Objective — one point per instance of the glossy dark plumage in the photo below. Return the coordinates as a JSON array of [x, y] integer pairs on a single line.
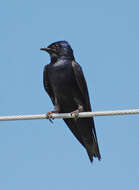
[[65, 84]]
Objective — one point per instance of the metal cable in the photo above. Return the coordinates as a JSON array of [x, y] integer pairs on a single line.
[[68, 115]]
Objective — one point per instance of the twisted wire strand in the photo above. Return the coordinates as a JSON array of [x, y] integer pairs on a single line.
[[68, 115]]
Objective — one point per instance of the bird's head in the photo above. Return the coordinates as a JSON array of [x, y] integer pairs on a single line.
[[58, 50]]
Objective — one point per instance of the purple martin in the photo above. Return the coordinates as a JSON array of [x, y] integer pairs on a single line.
[[65, 83]]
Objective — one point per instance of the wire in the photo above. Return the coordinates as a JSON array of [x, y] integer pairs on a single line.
[[68, 115]]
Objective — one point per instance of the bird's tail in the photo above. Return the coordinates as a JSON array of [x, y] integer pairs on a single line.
[[93, 151], [86, 136]]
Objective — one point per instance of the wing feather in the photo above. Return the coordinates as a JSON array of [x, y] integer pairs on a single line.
[[47, 85], [81, 82]]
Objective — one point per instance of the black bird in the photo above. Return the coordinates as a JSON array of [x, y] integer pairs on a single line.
[[64, 82]]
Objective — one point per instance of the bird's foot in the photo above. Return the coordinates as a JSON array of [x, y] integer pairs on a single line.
[[49, 116], [75, 113]]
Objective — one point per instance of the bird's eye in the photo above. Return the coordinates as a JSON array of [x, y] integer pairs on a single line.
[[56, 45]]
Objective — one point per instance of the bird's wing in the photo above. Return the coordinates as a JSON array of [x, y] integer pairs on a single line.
[[81, 82], [86, 125], [72, 124], [47, 85]]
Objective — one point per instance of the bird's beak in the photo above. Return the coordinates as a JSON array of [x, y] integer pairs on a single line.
[[45, 49], [49, 50]]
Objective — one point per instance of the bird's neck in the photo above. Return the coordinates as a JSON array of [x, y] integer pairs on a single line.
[[67, 57], [55, 59]]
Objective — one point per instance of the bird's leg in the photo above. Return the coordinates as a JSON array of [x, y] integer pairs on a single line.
[[49, 114], [76, 112]]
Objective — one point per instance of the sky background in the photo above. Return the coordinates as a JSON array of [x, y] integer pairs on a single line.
[[105, 38]]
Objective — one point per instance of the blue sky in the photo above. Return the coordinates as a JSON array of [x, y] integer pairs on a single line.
[[105, 39]]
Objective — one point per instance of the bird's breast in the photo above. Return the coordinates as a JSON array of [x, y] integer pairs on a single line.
[[62, 78], [64, 86], [61, 74]]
